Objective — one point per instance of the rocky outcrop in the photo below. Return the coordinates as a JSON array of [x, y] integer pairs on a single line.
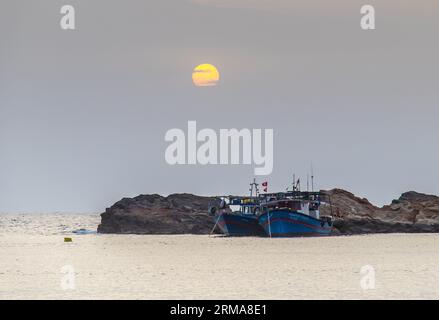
[[412, 212], [186, 213], [154, 214]]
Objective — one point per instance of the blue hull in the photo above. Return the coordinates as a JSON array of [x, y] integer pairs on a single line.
[[284, 223], [240, 225]]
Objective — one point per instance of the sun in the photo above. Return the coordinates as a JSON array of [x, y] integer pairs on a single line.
[[205, 75]]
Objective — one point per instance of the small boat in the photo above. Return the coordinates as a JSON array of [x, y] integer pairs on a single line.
[[235, 224], [294, 214], [237, 216], [84, 231]]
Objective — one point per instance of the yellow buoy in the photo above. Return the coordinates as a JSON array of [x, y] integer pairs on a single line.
[[68, 240]]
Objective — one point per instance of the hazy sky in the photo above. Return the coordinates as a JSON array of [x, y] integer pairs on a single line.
[[83, 113]]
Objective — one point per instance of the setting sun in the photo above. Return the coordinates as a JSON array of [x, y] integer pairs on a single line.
[[205, 75]]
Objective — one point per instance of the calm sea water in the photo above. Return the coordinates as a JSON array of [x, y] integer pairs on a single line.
[[36, 263]]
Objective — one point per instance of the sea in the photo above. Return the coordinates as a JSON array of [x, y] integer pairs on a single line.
[[37, 263]]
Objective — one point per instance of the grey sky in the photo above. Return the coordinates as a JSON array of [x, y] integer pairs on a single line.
[[83, 113]]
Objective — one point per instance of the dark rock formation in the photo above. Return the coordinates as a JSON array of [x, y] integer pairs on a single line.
[[154, 214], [186, 213], [412, 212]]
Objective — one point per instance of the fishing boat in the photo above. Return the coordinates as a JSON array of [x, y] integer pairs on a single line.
[[294, 214], [237, 216]]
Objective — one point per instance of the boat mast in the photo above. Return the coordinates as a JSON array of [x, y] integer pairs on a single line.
[[296, 183]]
